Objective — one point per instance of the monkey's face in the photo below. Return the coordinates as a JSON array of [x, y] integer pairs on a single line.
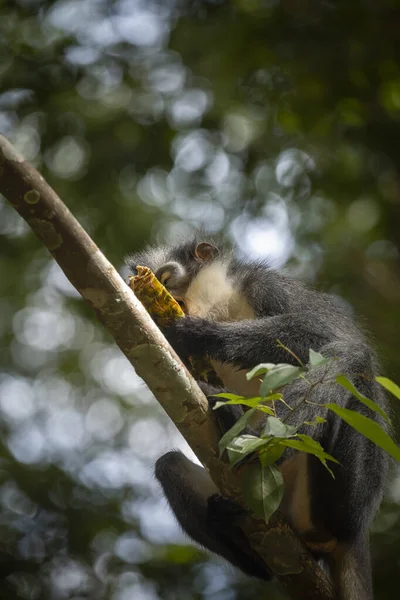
[[177, 268]]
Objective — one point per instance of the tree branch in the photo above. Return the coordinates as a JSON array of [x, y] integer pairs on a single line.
[[143, 344]]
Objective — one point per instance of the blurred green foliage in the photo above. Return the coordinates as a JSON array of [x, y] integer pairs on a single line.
[[274, 121]]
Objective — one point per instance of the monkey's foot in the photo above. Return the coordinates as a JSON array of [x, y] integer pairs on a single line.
[[319, 541]]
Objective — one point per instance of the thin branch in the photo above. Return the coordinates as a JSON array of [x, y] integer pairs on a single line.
[[154, 360]]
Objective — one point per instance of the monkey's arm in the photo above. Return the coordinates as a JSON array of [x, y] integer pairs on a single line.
[[247, 343], [210, 519]]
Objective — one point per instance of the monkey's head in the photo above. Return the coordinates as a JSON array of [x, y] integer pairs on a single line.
[[192, 272]]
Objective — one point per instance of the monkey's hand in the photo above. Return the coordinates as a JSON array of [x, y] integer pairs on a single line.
[[190, 337], [211, 392]]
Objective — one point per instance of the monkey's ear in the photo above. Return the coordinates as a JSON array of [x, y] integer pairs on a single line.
[[206, 252]]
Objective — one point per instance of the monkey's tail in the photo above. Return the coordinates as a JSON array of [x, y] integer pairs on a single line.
[[350, 568]]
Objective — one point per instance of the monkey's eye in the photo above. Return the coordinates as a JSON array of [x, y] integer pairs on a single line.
[[165, 276], [170, 274]]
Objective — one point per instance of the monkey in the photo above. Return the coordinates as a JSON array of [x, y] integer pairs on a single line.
[[236, 311]]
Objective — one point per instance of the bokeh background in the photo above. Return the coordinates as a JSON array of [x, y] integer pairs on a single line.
[[274, 121]]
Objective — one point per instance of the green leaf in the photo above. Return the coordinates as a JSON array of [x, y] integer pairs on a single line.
[[262, 489], [266, 409], [369, 428], [346, 383], [316, 421], [310, 446], [243, 445], [271, 454], [277, 377], [235, 430], [233, 398], [259, 370], [255, 402], [316, 359], [301, 446], [271, 397], [308, 440], [320, 419], [389, 385], [276, 428]]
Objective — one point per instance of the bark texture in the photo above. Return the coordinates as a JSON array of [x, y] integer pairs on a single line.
[[143, 344]]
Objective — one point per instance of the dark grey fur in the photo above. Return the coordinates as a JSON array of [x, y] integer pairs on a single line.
[[301, 319]]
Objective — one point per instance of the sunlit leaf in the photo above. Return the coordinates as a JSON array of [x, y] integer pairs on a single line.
[[312, 443], [320, 419], [233, 398], [255, 402], [250, 403], [271, 397], [346, 383], [392, 387], [266, 410], [260, 370], [369, 428], [306, 444], [316, 421]]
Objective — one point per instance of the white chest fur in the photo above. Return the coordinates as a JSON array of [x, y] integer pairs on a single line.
[[212, 295], [235, 380]]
